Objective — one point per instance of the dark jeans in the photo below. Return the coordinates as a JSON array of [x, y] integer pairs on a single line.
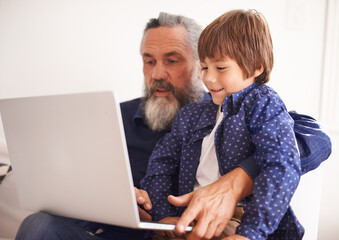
[[39, 226]]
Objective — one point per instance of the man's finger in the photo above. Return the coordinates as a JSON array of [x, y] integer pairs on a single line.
[[140, 199], [147, 204], [180, 201], [170, 234], [144, 215], [160, 233], [199, 229], [236, 237], [189, 215], [220, 229], [186, 218], [211, 230], [143, 198]]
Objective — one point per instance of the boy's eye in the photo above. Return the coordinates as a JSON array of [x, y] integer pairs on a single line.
[[221, 68], [204, 68]]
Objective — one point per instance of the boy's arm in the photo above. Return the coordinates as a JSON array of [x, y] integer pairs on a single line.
[[277, 155], [313, 143], [162, 173]]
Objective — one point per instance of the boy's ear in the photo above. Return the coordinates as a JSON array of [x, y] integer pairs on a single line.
[[258, 71]]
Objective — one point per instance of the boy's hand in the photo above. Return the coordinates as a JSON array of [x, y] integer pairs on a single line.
[[169, 234], [143, 198]]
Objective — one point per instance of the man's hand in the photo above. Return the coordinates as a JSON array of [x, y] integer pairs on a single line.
[[213, 205], [169, 234], [236, 237], [143, 198]]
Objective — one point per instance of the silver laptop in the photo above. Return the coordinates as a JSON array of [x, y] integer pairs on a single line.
[[69, 157]]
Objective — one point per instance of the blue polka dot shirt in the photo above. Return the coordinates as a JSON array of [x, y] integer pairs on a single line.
[[255, 122]]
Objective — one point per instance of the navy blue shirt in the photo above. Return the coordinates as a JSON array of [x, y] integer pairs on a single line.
[[140, 139]]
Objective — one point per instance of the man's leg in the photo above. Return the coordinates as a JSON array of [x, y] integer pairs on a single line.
[[39, 226], [229, 230]]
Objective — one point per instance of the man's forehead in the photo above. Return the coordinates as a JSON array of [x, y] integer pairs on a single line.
[[165, 41]]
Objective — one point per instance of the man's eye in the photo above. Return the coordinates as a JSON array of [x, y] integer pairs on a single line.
[[149, 62], [172, 61]]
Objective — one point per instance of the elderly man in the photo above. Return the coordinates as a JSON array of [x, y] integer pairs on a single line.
[[172, 80]]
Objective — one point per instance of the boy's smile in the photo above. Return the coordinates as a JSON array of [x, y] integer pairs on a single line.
[[223, 77]]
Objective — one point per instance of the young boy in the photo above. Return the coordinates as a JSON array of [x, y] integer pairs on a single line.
[[245, 118]]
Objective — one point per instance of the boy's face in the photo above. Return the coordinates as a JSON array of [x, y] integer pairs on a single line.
[[223, 77]]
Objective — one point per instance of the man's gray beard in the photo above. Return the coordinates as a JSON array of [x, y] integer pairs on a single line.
[[160, 112]]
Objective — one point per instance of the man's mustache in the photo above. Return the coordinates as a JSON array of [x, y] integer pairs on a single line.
[[161, 84]]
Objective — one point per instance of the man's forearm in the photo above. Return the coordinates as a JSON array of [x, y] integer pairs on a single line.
[[239, 181], [213, 205]]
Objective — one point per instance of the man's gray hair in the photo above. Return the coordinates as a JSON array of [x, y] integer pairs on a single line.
[[193, 29]]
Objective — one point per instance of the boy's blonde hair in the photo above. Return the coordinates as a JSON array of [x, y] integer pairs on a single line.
[[243, 36]]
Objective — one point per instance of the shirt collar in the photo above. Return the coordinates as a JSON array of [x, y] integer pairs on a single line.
[[232, 103], [208, 116], [138, 114]]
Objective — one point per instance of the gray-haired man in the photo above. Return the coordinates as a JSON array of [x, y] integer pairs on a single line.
[[172, 79]]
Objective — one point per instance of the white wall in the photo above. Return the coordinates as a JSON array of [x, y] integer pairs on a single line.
[[49, 47], [329, 224], [78, 45]]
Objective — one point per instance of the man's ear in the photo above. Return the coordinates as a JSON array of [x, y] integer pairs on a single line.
[[258, 71]]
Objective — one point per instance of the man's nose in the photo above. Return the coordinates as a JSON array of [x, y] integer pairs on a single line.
[[159, 72]]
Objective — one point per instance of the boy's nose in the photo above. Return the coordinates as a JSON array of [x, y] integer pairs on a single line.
[[209, 77]]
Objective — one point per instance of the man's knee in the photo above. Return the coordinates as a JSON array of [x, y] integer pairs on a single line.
[[37, 226]]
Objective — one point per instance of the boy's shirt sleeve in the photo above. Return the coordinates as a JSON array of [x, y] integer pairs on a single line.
[[314, 145], [250, 167], [162, 173], [313, 142], [276, 153]]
